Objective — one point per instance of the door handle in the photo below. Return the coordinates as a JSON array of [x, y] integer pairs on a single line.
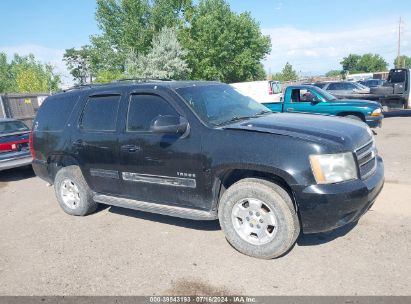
[[130, 148], [290, 109]]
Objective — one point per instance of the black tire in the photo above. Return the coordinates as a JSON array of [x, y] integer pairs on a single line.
[[86, 204], [354, 117], [278, 201]]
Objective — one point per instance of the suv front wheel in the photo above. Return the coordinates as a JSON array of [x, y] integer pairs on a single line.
[[258, 218], [73, 193]]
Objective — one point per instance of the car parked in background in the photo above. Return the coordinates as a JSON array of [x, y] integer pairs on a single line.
[[14, 144], [372, 83], [343, 87]]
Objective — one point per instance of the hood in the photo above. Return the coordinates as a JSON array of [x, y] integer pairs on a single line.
[[347, 133], [357, 102]]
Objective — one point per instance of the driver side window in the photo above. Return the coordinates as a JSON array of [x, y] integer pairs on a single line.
[[144, 109], [303, 95]]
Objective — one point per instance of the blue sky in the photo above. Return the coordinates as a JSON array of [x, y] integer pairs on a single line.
[[313, 35]]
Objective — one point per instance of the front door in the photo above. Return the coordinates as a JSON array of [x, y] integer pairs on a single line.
[[155, 167], [305, 101]]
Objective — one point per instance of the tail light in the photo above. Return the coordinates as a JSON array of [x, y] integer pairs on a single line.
[[270, 90], [31, 145]]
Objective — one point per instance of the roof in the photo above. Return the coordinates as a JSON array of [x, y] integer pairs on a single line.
[[172, 84]]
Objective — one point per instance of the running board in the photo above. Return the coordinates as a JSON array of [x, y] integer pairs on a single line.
[[186, 213]]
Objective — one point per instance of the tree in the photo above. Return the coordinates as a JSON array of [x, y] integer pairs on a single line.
[[79, 64], [6, 81], [366, 63], [404, 62], [164, 60], [26, 75], [333, 73], [223, 45], [220, 43], [104, 76], [287, 74], [128, 27], [350, 63]]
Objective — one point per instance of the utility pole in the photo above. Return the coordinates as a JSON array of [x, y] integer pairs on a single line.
[[398, 65]]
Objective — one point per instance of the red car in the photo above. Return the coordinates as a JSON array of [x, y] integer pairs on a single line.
[[14, 144]]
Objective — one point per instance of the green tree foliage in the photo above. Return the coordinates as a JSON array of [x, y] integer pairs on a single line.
[[287, 74], [79, 64], [104, 76], [404, 62], [130, 25], [366, 63], [333, 73], [164, 60], [6, 80], [26, 75], [220, 43], [223, 45]]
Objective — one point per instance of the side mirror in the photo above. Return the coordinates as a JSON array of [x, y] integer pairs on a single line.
[[169, 124]]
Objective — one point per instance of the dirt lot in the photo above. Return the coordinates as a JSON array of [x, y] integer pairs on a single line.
[[115, 251]]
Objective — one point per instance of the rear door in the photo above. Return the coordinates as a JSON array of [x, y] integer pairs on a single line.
[[96, 142]]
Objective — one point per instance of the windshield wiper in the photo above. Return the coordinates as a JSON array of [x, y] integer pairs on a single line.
[[238, 118], [234, 119], [262, 113]]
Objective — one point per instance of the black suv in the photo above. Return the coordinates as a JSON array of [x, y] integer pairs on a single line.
[[201, 150]]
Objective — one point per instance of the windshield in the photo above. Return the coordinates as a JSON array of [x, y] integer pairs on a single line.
[[12, 126], [221, 104]]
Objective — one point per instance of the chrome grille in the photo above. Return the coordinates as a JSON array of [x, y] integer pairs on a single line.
[[367, 159]]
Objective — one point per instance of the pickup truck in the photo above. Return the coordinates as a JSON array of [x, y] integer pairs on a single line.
[[201, 150], [311, 99]]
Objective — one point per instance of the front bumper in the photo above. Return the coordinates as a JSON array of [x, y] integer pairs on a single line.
[[15, 159], [374, 121], [327, 207]]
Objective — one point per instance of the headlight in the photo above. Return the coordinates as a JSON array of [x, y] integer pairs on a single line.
[[376, 112], [333, 168]]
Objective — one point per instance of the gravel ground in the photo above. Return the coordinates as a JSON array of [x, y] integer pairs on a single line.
[[116, 251]]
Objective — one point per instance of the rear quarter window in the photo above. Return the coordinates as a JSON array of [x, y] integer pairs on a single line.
[[55, 112]]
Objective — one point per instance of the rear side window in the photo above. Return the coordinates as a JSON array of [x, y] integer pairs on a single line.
[[144, 109], [100, 113], [54, 113], [334, 86]]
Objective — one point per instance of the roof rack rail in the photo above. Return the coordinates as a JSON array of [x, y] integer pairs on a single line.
[[84, 86], [142, 79]]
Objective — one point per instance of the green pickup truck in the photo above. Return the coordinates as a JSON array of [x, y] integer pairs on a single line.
[[310, 99]]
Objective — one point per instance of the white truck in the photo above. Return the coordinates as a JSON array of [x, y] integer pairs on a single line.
[[264, 91]]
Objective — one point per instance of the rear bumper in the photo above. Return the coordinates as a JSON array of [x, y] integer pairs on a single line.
[[374, 121], [327, 207], [15, 160]]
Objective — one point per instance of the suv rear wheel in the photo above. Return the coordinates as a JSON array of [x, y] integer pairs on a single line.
[[258, 218], [72, 192]]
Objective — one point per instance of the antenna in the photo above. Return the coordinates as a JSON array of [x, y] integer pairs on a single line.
[[399, 65]]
